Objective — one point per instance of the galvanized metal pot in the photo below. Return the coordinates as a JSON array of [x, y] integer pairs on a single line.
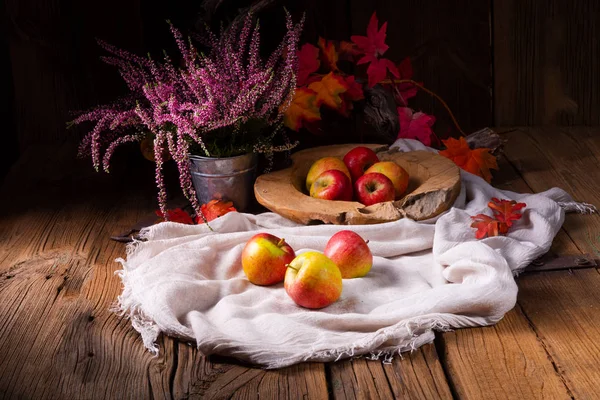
[[228, 178]]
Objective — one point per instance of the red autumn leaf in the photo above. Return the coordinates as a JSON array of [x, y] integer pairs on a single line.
[[415, 125], [329, 54], [477, 161], [308, 62], [329, 90], [302, 110], [487, 226], [175, 215], [354, 93], [214, 209], [373, 45], [378, 69], [506, 211], [355, 90]]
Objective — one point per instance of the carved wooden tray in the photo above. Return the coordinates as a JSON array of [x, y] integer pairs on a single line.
[[434, 185]]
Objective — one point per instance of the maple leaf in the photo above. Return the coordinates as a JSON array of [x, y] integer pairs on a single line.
[[329, 54], [214, 209], [175, 215], [378, 69], [506, 211], [487, 226], [329, 90], [354, 93], [303, 109], [373, 45], [477, 161], [415, 125], [308, 62], [355, 90]]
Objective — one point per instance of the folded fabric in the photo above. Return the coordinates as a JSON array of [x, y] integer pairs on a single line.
[[187, 281]]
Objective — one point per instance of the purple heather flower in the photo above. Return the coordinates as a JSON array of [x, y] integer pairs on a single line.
[[213, 93]]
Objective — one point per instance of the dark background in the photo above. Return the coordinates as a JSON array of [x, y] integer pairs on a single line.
[[495, 62]]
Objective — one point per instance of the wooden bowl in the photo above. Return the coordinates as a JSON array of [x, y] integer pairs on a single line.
[[433, 186]]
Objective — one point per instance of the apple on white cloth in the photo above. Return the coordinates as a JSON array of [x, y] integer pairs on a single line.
[[187, 281]]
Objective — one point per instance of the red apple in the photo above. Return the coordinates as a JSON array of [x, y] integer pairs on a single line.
[[358, 160], [332, 185], [374, 188], [395, 173], [350, 253], [264, 259], [322, 165], [312, 280]]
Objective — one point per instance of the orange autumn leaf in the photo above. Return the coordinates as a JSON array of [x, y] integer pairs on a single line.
[[302, 110], [477, 161], [487, 226], [214, 209], [329, 89], [506, 211], [329, 54]]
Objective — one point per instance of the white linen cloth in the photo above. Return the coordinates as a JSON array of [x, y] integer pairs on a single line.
[[188, 282]]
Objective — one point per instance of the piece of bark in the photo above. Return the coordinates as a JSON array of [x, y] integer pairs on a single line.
[[379, 118], [486, 138]]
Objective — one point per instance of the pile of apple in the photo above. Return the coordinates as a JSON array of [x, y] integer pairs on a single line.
[[359, 176], [311, 279]]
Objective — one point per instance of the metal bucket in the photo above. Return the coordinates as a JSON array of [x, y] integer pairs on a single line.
[[229, 179]]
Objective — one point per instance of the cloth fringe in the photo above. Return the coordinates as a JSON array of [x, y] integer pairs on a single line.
[[576, 207]]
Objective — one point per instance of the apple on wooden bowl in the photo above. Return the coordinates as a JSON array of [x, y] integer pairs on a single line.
[[433, 185]]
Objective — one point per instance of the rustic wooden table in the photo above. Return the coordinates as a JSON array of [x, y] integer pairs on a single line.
[[58, 338]]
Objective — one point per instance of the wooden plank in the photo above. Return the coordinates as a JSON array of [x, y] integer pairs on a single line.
[[416, 375], [566, 158], [546, 59], [560, 306], [219, 378], [57, 336], [450, 50], [504, 361], [563, 309]]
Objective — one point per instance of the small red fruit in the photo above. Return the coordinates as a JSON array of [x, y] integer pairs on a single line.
[[358, 160], [265, 257], [332, 185], [374, 188], [349, 251]]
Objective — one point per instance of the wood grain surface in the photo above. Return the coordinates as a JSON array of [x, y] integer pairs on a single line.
[[59, 339], [546, 60], [417, 375]]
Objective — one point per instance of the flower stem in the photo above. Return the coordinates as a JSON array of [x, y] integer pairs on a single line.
[[431, 93]]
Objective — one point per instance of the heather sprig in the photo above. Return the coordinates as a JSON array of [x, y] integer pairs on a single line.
[[210, 102]]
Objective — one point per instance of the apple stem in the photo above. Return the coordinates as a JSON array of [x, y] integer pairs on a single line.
[[367, 241], [281, 242], [289, 266]]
